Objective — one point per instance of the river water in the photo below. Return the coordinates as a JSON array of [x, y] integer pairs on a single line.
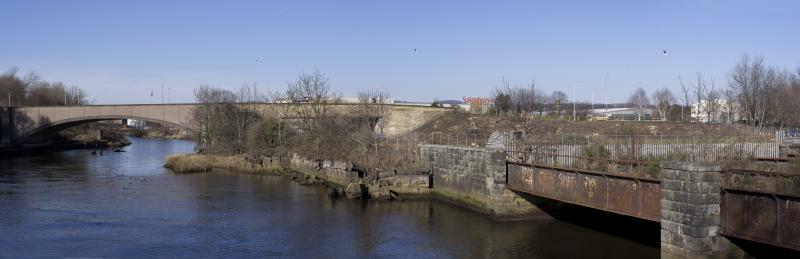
[[126, 205]]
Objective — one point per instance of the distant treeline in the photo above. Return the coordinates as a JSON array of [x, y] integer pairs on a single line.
[[32, 90], [756, 93]]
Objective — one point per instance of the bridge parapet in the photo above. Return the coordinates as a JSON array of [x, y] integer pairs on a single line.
[[41, 121]]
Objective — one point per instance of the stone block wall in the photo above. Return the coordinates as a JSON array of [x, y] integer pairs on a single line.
[[337, 172], [475, 177], [690, 211]]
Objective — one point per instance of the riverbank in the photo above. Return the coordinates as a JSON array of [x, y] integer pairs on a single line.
[[34, 149], [344, 179], [482, 190]]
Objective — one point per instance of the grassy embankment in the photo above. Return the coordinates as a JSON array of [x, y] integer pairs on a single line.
[[195, 163]]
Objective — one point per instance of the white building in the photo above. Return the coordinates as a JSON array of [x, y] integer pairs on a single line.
[[139, 124], [352, 99], [629, 113], [718, 111]]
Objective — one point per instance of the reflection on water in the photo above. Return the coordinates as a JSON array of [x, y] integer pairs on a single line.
[[74, 204]]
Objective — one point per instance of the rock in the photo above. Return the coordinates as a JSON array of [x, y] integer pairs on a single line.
[[362, 171], [394, 195], [354, 191], [380, 193], [341, 165], [386, 174]]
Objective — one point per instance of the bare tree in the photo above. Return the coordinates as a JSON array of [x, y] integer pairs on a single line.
[[558, 99], [664, 102], [752, 81], [12, 88], [32, 90], [519, 99], [686, 94], [639, 101], [227, 119], [784, 104], [374, 106], [310, 98], [712, 103], [730, 109]]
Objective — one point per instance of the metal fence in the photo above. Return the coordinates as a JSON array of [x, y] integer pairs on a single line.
[[575, 151], [692, 152], [506, 140]]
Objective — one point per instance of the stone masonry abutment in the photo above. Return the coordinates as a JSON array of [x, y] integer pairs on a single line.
[[475, 177]]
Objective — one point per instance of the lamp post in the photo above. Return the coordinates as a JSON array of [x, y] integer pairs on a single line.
[[573, 102], [605, 88]]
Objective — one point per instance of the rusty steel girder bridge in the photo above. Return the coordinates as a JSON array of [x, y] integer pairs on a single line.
[[754, 205]]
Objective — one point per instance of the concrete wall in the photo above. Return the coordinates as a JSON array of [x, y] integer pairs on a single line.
[[475, 177], [690, 212]]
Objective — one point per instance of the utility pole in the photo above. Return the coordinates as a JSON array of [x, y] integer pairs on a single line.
[[574, 99], [163, 111], [605, 89]]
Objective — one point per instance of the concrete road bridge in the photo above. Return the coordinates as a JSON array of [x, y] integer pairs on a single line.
[[35, 124]]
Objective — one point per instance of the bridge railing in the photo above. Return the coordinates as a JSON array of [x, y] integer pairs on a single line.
[[551, 158]]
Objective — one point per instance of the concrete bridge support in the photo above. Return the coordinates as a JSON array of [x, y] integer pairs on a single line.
[[690, 212], [7, 126]]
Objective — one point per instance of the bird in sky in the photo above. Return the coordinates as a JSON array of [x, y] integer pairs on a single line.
[[664, 52], [415, 50]]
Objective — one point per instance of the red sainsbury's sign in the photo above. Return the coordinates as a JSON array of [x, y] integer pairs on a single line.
[[477, 100]]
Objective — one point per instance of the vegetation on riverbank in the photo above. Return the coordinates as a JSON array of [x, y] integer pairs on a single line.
[[194, 163], [306, 124]]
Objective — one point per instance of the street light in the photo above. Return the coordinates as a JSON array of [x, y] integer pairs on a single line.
[[574, 100], [605, 89]]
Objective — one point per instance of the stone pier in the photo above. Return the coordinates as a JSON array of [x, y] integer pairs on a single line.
[[690, 212]]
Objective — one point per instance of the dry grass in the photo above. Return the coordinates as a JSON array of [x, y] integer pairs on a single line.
[[485, 124], [193, 163]]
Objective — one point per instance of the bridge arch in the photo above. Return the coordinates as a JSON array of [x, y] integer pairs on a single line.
[[36, 124], [45, 130]]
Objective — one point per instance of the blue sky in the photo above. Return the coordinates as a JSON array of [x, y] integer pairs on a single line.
[[120, 51]]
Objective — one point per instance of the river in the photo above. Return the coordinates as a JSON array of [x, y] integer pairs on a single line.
[[126, 205]]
